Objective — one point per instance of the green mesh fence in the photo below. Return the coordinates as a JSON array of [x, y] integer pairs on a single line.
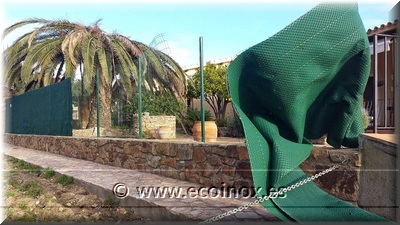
[[305, 81], [45, 111]]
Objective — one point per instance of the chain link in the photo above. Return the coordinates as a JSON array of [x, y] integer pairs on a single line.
[[275, 194]]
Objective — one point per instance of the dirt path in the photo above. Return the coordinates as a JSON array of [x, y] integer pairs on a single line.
[[37, 195]]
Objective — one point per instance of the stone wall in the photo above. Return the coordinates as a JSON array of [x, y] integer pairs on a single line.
[[197, 162], [104, 132], [210, 164], [343, 182]]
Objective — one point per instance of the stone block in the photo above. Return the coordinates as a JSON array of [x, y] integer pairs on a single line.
[[103, 153], [217, 181], [244, 169], [199, 154], [117, 162], [318, 153], [342, 183], [207, 182], [126, 165], [337, 156], [153, 161], [206, 170], [218, 150], [184, 152], [146, 146], [228, 170], [243, 153], [227, 180], [171, 162], [229, 161], [232, 151], [171, 172], [215, 160], [162, 148], [182, 176]]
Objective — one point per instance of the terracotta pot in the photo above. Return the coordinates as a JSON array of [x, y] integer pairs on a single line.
[[211, 131]]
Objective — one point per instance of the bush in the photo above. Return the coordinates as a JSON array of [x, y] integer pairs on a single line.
[[32, 189], [223, 122], [157, 104], [64, 180], [48, 173], [193, 115], [111, 202]]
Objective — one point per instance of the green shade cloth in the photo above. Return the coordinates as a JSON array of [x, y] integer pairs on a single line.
[[45, 111], [305, 81]]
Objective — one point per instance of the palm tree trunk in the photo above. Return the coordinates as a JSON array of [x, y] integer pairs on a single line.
[[105, 106]]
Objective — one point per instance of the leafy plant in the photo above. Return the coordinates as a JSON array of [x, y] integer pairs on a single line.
[[194, 115], [23, 205], [223, 122], [27, 167], [48, 173], [12, 183], [11, 159], [10, 193], [64, 180], [159, 103], [215, 88], [111, 202], [32, 189]]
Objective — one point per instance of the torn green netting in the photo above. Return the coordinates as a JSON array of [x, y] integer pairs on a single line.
[[305, 81]]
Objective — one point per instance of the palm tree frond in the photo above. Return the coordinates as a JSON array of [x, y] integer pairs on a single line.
[[21, 24]]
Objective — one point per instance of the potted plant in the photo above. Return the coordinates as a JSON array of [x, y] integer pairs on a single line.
[[194, 119]]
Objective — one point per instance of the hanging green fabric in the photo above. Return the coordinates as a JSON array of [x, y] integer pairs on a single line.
[[305, 81]]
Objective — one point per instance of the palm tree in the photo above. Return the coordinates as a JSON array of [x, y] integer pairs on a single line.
[[59, 49]]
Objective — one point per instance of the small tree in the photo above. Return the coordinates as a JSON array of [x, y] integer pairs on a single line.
[[215, 88], [59, 49]]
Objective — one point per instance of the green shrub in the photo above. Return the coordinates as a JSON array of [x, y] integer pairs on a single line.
[[32, 189], [23, 205], [64, 180], [111, 202], [193, 115], [223, 122], [27, 167], [48, 173], [12, 159], [159, 103]]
